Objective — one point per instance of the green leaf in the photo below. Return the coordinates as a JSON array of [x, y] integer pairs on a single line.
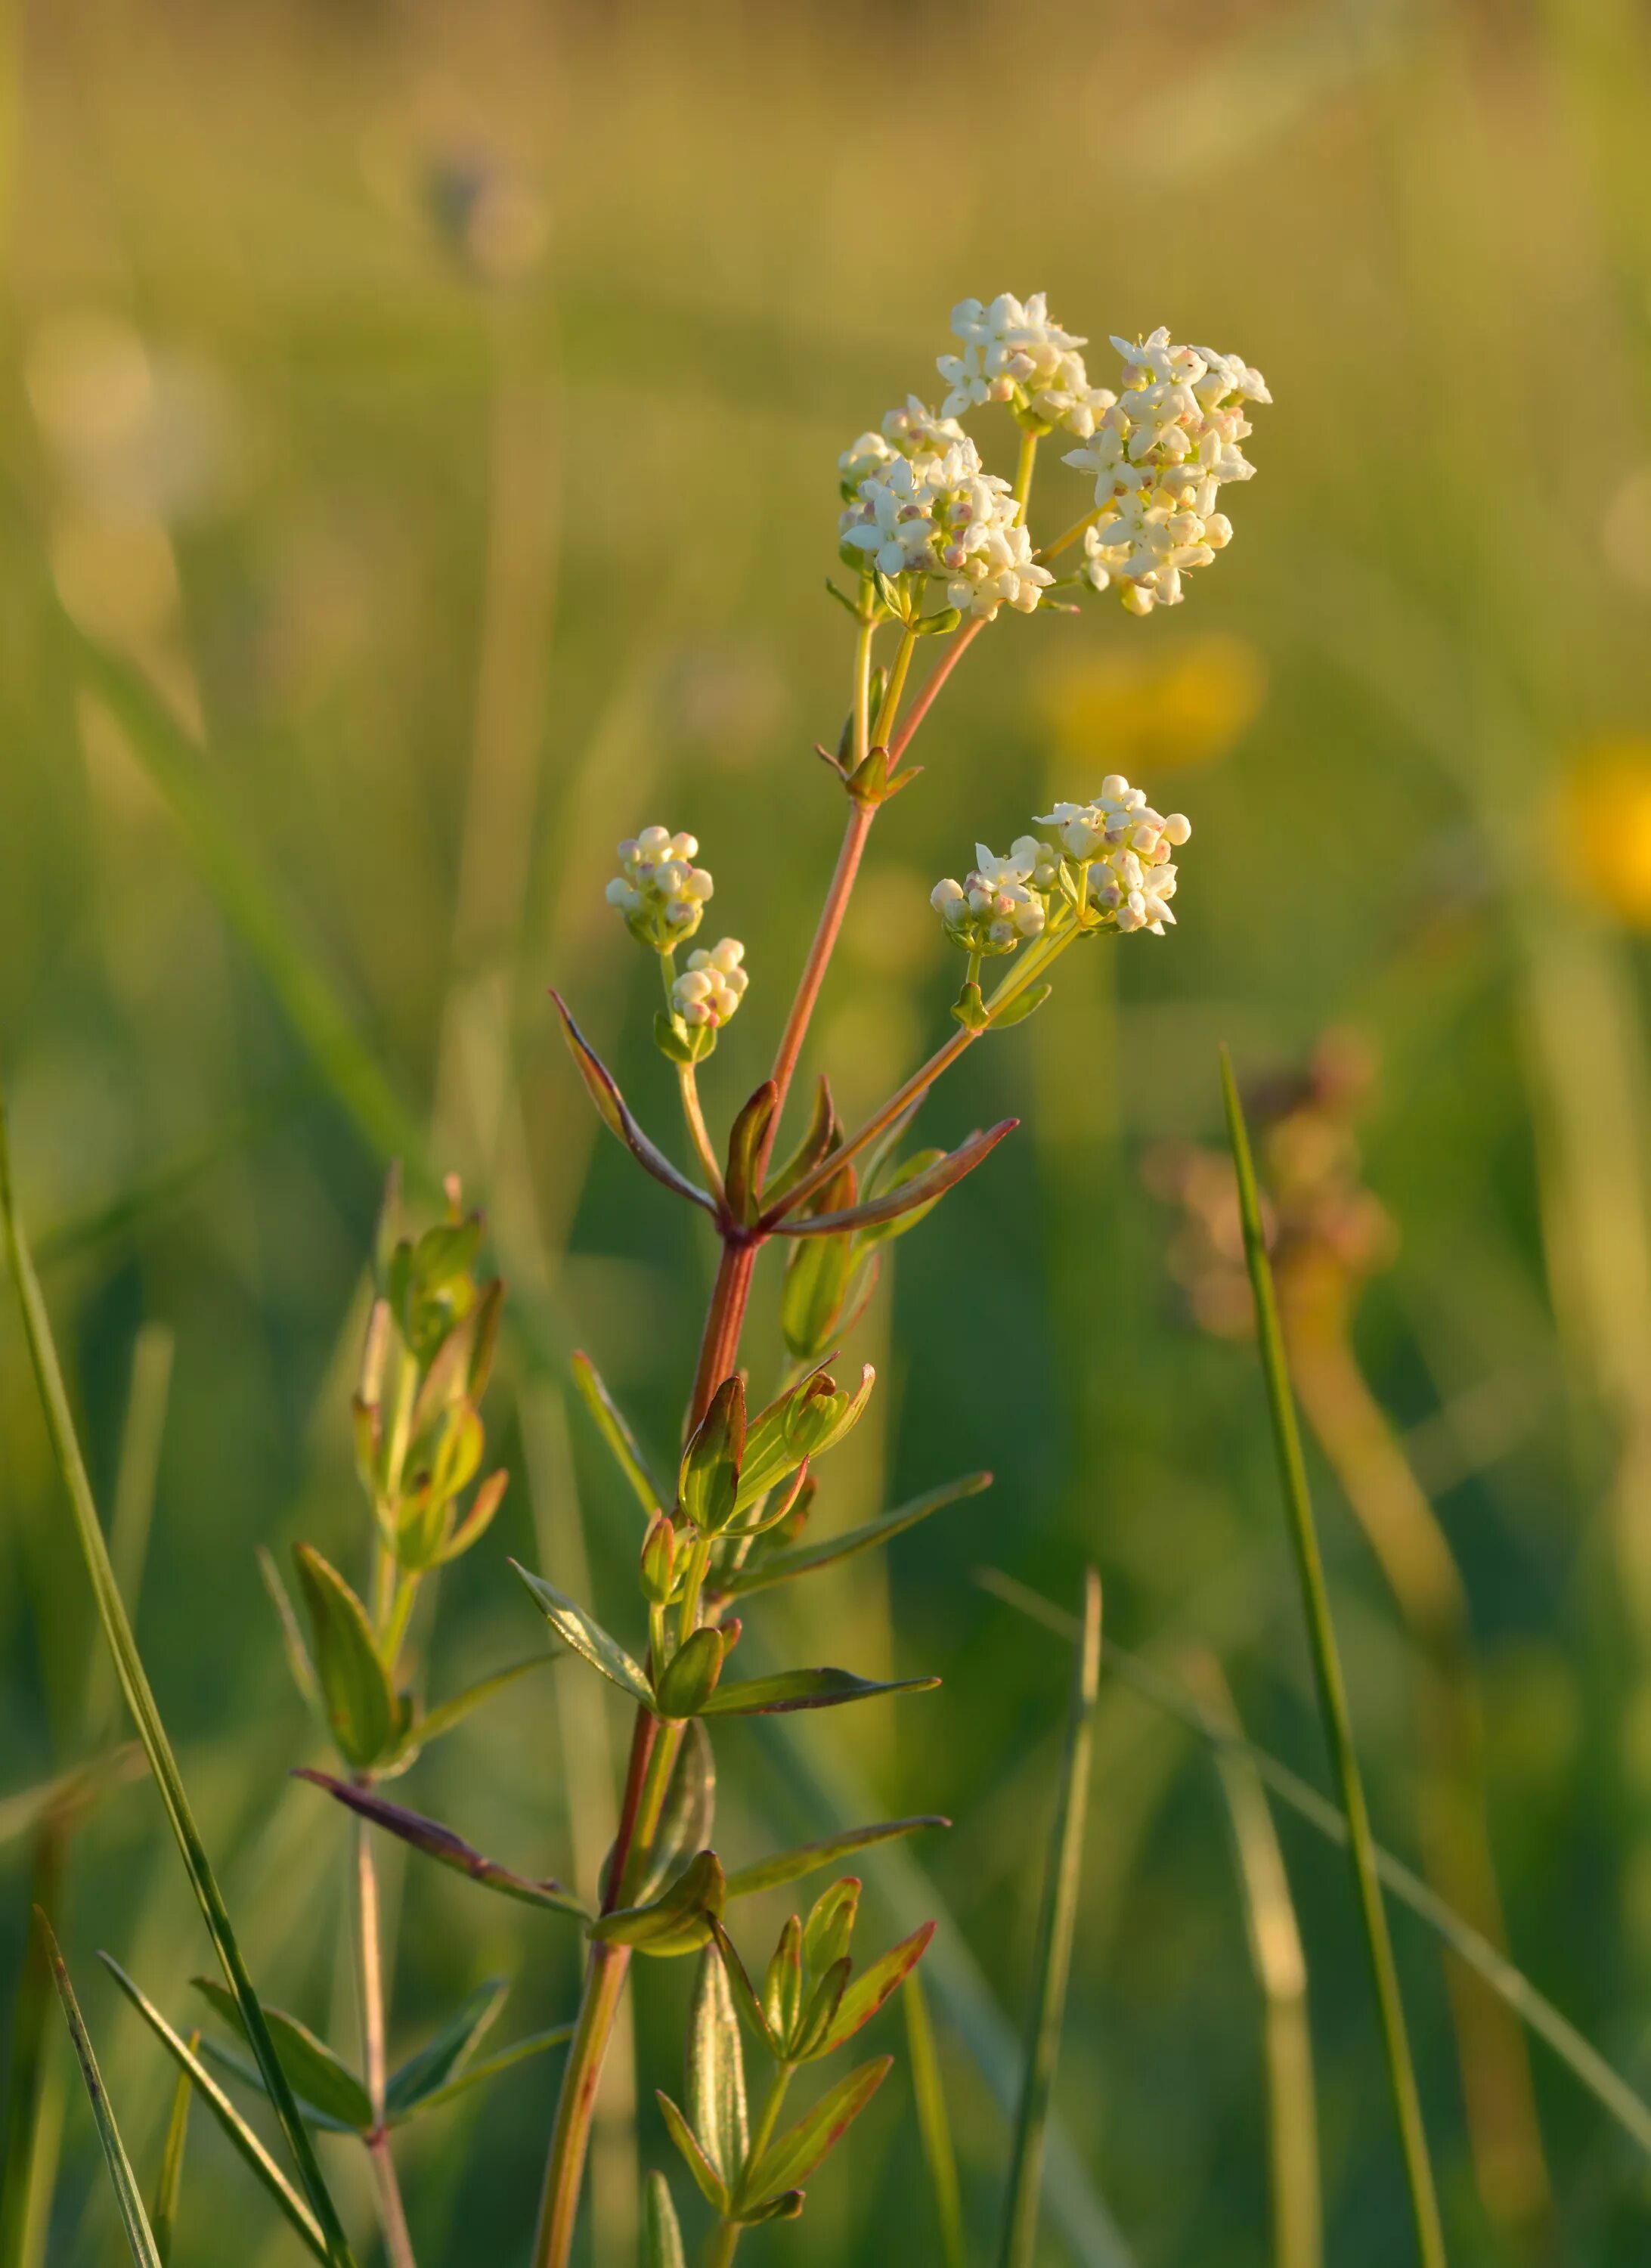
[[661, 2234], [163, 2215], [670, 1036], [239, 2133], [586, 1637], [818, 1270], [133, 2220], [615, 1116], [820, 1138], [908, 1170], [881, 1981], [935, 2125], [814, 2031], [615, 1431], [477, 2075], [445, 2054], [317, 2076], [708, 1483], [940, 625], [297, 1653], [362, 1709], [1026, 1003], [716, 2071], [784, 1566], [677, 1921], [690, 1678], [442, 1845], [803, 1688], [746, 1137], [447, 1714], [922, 1190], [782, 1985], [808, 1858], [745, 1993], [711, 2186], [829, 1931], [788, 2161], [786, 2206], [1055, 1941], [141, 1702], [690, 1809]]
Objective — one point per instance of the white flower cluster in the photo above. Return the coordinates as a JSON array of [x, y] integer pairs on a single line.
[[1014, 353], [938, 513], [1161, 452], [1125, 844], [912, 431], [712, 986], [658, 889], [1001, 900]]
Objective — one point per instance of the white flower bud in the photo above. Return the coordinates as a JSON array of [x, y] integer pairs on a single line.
[[711, 987], [658, 890]]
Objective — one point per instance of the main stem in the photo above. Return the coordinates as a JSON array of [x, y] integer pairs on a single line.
[[398, 2244], [725, 2236]]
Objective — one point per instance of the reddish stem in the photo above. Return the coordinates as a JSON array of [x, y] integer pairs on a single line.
[[825, 938], [925, 700]]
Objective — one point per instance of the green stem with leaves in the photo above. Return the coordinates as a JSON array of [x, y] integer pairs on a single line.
[[725, 2236]]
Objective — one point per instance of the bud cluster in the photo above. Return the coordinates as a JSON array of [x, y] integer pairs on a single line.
[[1161, 452], [712, 986], [658, 889], [939, 516], [1001, 900], [1116, 873]]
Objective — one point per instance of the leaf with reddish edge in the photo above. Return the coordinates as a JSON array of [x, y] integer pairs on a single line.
[[821, 1131], [808, 1858], [790, 2160], [867, 1993], [922, 1190], [746, 1137], [614, 1113], [693, 2157], [442, 1845]]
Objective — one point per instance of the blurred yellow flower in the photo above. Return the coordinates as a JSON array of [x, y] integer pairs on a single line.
[[1149, 713], [1606, 824]]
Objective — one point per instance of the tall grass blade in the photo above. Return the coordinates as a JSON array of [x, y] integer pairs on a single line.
[[1281, 1966], [140, 1701], [1332, 1692], [134, 1507], [1054, 1948], [934, 2124], [133, 2220], [169, 2186]]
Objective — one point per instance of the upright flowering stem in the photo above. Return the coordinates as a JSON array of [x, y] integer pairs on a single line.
[[825, 938], [398, 2244]]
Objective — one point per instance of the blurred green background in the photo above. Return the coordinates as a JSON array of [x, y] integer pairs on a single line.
[[418, 440]]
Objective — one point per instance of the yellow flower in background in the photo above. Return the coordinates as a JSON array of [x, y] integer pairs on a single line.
[[1148, 713], [1606, 815]]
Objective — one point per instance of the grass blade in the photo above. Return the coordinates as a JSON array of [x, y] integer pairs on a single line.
[[1054, 1953], [169, 2186], [1332, 1692], [28, 2168], [140, 1701], [134, 1506], [934, 2124], [1280, 1966], [140, 2237]]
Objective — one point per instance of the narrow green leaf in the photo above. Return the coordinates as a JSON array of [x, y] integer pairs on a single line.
[[477, 2075], [746, 1137], [923, 1190], [1332, 1692], [445, 2053], [239, 2133], [899, 1177], [828, 1934], [677, 1921], [442, 1845], [238, 2065], [880, 1981], [141, 1702], [318, 2075], [804, 1559], [699, 2164], [708, 1482], [133, 2220], [782, 1984], [788, 2161], [662, 2234], [297, 1653], [586, 1637], [169, 2183], [28, 2168], [812, 2032], [820, 1136], [614, 1113], [1024, 1004], [362, 1709], [716, 2071], [1054, 1946], [935, 2125], [447, 1714], [808, 1858], [745, 1993], [818, 1269], [690, 1677], [691, 1811], [615, 1431], [803, 1688]]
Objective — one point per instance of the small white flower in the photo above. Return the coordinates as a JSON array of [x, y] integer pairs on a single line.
[[915, 431], [1012, 352], [658, 889], [942, 516], [712, 986], [1126, 846], [1000, 902]]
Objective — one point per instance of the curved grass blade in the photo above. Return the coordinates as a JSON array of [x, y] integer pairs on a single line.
[[933, 2125], [784, 1566], [239, 2133], [319, 2077], [135, 2227], [446, 2054], [141, 1702], [477, 2075], [169, 2183], [32, 2101], [923, 1190], [615, 1429], [791, 1865], [614, 1113], [1333, 1693], [442, 1845], [586, 1637], [1055, 1940], [802, 1689]]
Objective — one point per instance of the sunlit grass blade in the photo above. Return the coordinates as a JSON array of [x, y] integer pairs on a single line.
[[1054, 1946], [1281, 1965], [135, 2227], [934, 2124], [140, 1701], [169, 2183], [239, 2133], [1580, 2057], [1332, 1692], [134, 1506]]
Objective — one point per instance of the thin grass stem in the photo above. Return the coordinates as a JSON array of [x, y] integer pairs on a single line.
[[933, 2122]]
